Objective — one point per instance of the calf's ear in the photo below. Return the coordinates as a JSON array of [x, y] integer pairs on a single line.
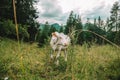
[[60, 37], [53, 34]]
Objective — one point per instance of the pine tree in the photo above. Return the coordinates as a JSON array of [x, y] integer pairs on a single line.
[[70, 23], [87, 24], [52, 29], [95, 22], [44, 34], [6, 9], [114, 17], [78, 27], [99, 21], [25, 11], [61, 29]]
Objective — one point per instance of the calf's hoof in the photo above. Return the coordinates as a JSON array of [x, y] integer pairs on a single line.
[[57, 62], [66, 59], [51, 56]]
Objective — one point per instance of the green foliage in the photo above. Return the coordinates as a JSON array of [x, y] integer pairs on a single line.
[[99, 21], [37, 36], [52, 29], [74, 23], [61, 29], [33, 63], [32, 32], [85, 37], [114, 70], [110, 71], [23, 34], [3, 69], [26, 15], [7, 29], [26, 12], [79, 26], [44, 35], [97, 30], [111, 36], [70, 23], [89, 37], [117, 38], [6, 9], [114, 17]]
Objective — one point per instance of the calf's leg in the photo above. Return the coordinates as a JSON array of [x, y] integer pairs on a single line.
[[58, 54], [51, 54], [65, 54]]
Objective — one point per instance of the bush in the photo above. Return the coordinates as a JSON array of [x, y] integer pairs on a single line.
[[117, 38], [24, 35], [114, 70], [7, 29], [111, 71], [111, 36]]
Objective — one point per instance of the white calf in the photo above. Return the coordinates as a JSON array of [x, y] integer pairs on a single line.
[[59, 41]]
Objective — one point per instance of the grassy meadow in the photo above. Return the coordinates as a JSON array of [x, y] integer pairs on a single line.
[[29, 62]]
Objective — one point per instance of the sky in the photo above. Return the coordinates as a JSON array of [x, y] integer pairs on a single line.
[[57, 11]]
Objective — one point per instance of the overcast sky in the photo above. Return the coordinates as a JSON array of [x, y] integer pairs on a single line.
[[57, 11]]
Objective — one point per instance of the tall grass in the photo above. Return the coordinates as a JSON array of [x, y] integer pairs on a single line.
[[33, 63]]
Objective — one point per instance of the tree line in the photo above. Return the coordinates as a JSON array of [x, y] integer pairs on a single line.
[[109, 29], [26, 15], [29, 28]]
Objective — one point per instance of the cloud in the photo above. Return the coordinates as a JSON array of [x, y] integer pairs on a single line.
[[57, 11], [96, 11], [101, 9], [50, 11], [50, 8]]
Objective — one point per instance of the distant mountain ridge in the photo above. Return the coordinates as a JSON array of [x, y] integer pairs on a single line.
[[56, 25]]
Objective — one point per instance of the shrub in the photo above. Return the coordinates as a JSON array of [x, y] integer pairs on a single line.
[[114, 70], [24, 35], [111, 36], [7, 29], [117, 38], [111, 71]]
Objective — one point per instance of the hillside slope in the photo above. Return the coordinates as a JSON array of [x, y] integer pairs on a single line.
[[29, 62]]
